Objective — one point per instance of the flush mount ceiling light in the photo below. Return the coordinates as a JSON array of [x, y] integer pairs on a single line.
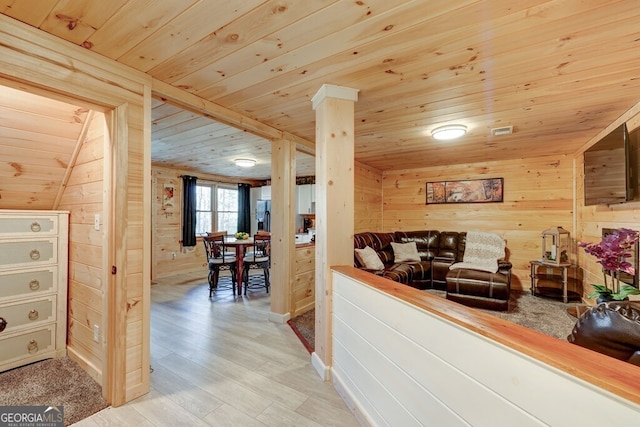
[[245, 163], [449, 132]]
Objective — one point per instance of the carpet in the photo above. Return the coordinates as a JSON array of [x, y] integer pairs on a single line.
[[53, 382], [304, 327], [542, 314]]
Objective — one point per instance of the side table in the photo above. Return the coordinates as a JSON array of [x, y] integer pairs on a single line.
[[555, 275]]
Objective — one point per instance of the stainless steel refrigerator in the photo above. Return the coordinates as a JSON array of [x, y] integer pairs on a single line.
[[263, 214]]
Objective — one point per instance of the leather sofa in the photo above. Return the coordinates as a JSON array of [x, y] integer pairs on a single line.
[[438, 250], [611, 328]]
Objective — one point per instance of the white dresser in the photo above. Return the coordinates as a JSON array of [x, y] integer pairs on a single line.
[[33, 286]]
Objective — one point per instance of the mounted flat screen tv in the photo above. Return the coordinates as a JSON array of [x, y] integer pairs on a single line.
[[607, 169]]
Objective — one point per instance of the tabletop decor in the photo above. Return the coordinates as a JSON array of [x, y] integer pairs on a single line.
[[241, 235], [613, 253]]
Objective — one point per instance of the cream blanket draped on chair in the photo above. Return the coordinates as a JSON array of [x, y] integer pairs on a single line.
[[482, 252]]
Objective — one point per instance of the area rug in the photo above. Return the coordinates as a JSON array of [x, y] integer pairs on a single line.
[[304, 327], [542, 314], [53, 382]]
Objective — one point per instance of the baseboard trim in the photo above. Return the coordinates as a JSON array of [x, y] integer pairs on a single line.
[[322, 369], [279, 318], [350, 401], [87, 366]]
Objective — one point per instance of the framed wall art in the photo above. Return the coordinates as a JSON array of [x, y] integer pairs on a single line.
[[467, 191], [167, 195]]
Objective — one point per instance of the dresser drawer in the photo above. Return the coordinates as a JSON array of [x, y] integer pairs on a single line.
[[22, 253], [18, 284], [28, 313], [27, 345], [28, 224]]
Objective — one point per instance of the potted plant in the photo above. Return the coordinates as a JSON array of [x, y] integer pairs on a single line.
[[613, 252]]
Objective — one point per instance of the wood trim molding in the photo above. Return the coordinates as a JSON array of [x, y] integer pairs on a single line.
[[224, 115], [116, 293]]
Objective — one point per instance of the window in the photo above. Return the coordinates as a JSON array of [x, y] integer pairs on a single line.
[[216, 208]]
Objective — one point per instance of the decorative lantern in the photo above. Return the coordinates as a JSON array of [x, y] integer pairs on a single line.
[[556, 246]]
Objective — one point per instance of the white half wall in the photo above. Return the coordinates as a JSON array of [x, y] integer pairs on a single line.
[[400, 365]]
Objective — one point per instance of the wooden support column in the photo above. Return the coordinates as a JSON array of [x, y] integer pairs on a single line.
[[283, 185], [334, 106]]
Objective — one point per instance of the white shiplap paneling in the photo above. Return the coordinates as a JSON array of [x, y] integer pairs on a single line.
[[402, 365]]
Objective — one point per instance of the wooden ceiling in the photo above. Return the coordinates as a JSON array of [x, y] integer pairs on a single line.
[[558, 71]]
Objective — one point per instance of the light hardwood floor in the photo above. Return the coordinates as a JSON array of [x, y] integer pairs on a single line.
[[220, 362]]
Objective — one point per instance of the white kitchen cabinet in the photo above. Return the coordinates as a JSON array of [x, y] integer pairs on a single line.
[[33, 286], [306, 198], [265, 192]]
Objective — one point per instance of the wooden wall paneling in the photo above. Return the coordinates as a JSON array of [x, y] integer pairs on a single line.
[[74, 157], [166, 233], [86, 245], [537, 195], [71, 72], [592, 219], [367, 198]]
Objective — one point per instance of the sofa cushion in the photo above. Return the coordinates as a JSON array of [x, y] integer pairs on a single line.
[[402, 273], [405, 252], [427, 241], [380, 242], [480, 289], [369, 258], [449, 246]]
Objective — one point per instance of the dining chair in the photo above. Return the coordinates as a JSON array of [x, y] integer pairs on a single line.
[[230, 251], [259, 258], [219, 258]]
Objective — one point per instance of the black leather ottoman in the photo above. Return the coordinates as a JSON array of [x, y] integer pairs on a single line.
[[481, 289]]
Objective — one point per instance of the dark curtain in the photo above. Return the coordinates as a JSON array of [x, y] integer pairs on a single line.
[[244, 208], [189, 210]]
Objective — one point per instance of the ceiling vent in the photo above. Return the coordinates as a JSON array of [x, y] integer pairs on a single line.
[[505, 130]]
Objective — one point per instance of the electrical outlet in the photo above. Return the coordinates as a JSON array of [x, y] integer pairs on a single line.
[[96, 222], [96, 333]]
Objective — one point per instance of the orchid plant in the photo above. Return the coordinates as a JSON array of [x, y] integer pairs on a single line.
[[613, 253]]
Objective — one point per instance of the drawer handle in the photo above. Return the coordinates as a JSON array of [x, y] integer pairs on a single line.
[[34, 254], [34, 285], [3, 324], [32, 346], [35, 227], [33, 315]]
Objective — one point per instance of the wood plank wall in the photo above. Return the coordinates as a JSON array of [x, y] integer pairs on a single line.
[[592, 219], [538, 194], [367, 198], [44, 63], [167, 220], [83, 198]]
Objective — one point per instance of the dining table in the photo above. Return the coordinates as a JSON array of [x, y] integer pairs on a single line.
[[240, 246]]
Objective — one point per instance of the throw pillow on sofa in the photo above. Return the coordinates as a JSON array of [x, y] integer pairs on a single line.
[[369, 258], [405, 252]]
